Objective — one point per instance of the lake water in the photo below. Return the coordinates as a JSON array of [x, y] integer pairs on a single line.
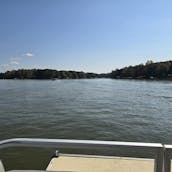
[[96, 109]]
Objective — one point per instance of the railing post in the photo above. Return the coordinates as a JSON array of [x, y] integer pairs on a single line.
[[167, 165], [159, 161], [167, 158]]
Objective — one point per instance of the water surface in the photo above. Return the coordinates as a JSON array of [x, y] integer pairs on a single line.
[[97, 109]]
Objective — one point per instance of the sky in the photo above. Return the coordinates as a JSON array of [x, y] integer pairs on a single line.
[[84, 35]]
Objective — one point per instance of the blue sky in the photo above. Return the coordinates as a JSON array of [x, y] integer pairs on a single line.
[[84, 35]]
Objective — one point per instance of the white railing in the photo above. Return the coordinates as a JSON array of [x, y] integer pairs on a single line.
[[158, 150]]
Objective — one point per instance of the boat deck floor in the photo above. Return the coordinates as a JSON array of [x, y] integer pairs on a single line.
[[73, 163]]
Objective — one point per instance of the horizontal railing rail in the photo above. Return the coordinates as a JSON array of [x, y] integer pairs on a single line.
[[156, 148]]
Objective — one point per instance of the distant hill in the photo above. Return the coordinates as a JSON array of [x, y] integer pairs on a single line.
[[160, 70]]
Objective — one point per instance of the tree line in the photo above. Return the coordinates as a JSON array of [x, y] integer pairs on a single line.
[[46, 74], [149, 70]]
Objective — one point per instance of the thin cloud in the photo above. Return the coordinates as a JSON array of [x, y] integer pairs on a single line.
[[11, 63], [15, 58], [28, 54], [14, 62], [4, 65]]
